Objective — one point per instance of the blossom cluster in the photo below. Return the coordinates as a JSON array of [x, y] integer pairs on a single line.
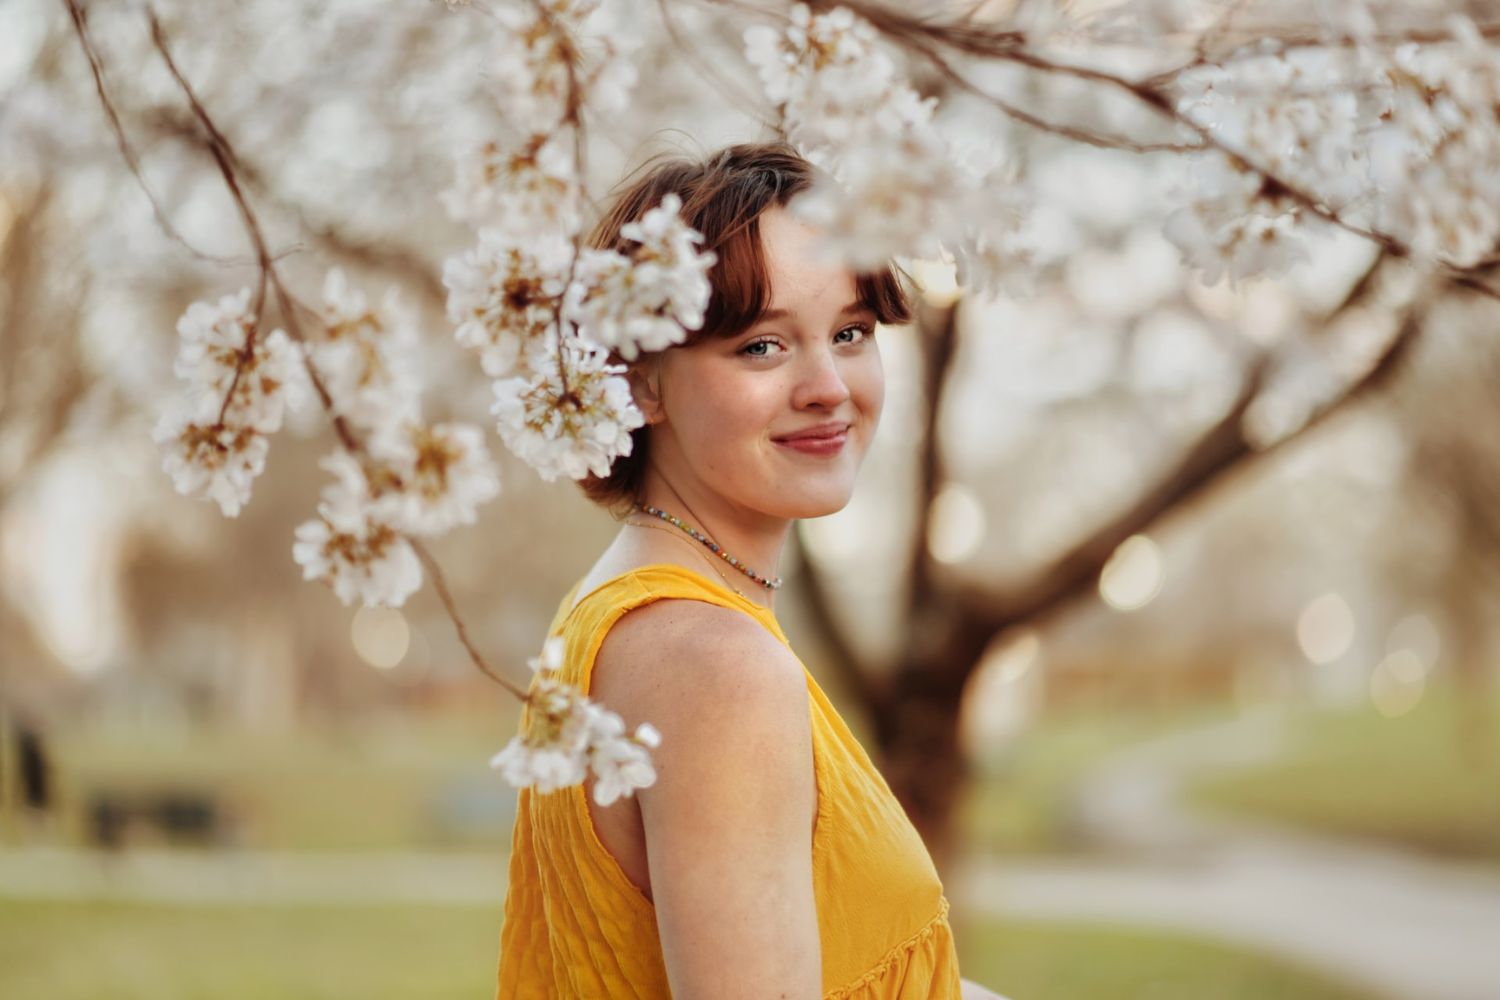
[[545, 316], [894, 185], [411, 479], [214, 434], [1399, 141], [564, 735], [1435, 156], [405, 477], [551, 60]]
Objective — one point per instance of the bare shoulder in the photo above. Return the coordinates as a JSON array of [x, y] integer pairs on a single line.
[[677, 657], [728, 823]]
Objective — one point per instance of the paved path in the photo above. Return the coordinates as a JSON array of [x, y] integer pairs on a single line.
[[1404, 927]]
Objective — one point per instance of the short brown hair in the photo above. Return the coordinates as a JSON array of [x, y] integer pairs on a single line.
[[723, 197]]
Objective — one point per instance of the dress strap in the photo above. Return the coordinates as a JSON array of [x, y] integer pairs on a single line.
[[585, 624], [653, 581]]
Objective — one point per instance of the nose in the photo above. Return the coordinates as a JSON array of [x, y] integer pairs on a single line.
[[819, 382]]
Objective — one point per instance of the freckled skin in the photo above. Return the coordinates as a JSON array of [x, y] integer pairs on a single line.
[[715, 410]]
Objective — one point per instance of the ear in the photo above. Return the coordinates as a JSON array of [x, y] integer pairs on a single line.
[[644, 376]]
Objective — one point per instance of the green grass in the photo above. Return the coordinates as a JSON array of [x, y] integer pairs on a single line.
[[73, 951], [1410, 781], [359, 785], [1057, 961], [70, 951], [1016, 801]]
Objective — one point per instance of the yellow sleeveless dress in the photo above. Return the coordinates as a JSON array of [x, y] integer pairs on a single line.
[[575, 926]]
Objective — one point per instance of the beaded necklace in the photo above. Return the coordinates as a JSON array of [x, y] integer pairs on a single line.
[[710, 544], [717, 571]]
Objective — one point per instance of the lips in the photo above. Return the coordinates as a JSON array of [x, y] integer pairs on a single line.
[[812, 435]]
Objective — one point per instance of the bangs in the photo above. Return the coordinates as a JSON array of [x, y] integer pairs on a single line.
[[741, 283], [723, 199]]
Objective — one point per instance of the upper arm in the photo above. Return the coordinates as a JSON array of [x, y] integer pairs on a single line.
[[728, 822]]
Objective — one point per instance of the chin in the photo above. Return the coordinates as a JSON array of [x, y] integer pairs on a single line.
[[817, 502]]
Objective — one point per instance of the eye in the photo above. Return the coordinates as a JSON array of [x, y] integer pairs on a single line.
[[864, 329], [762, 342]]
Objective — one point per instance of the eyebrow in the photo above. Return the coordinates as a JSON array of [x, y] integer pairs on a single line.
[[849, 310]]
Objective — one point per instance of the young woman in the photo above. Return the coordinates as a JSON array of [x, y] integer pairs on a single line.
[[769, 859]]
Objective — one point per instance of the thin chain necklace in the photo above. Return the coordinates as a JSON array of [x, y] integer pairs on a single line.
[[717, 572], [710, 544]]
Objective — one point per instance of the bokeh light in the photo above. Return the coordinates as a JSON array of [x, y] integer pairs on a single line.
[[1005, 693], [1133, 574], [937, 279], [380, 636], [1325, 629], [1395, 688], [956, 526], [1417, 633]]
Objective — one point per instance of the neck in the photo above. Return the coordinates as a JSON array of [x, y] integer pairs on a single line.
[[753, 538]]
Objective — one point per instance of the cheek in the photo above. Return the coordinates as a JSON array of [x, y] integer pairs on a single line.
[[867, 385], [727, 415]]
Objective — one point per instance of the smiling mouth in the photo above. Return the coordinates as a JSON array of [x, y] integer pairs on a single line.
[[830, 444]]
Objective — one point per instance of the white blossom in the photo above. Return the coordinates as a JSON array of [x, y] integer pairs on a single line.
[[564, 735], [647, 300], [568, 433], [529, 74], [213, 356], [831, 78], [208, 459], [366, 357], [504, 296], [350, 547], [1436, 149], [520, 191], [1399, 141], [1218, 239], [1231, 223], [437, 476], [1293, 115], [897, 188], [525, 181], [620, 765]]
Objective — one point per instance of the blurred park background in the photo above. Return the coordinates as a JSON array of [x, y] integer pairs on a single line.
[[1184, 712]]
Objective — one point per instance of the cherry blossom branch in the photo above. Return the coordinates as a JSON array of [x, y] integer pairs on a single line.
[[373, 254], [572, 118], [219, 148], [924, 37], [1305, 40], [269, 278]]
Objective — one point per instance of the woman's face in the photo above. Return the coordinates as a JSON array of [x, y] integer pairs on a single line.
[[725, 405]]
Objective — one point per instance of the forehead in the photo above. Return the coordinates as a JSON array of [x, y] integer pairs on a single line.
[[801, 276]]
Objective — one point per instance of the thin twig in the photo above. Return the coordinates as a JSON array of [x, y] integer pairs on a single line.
[[440, 584], [127, 152]]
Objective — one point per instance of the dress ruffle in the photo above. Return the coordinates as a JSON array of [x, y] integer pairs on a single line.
[[920, 966]]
